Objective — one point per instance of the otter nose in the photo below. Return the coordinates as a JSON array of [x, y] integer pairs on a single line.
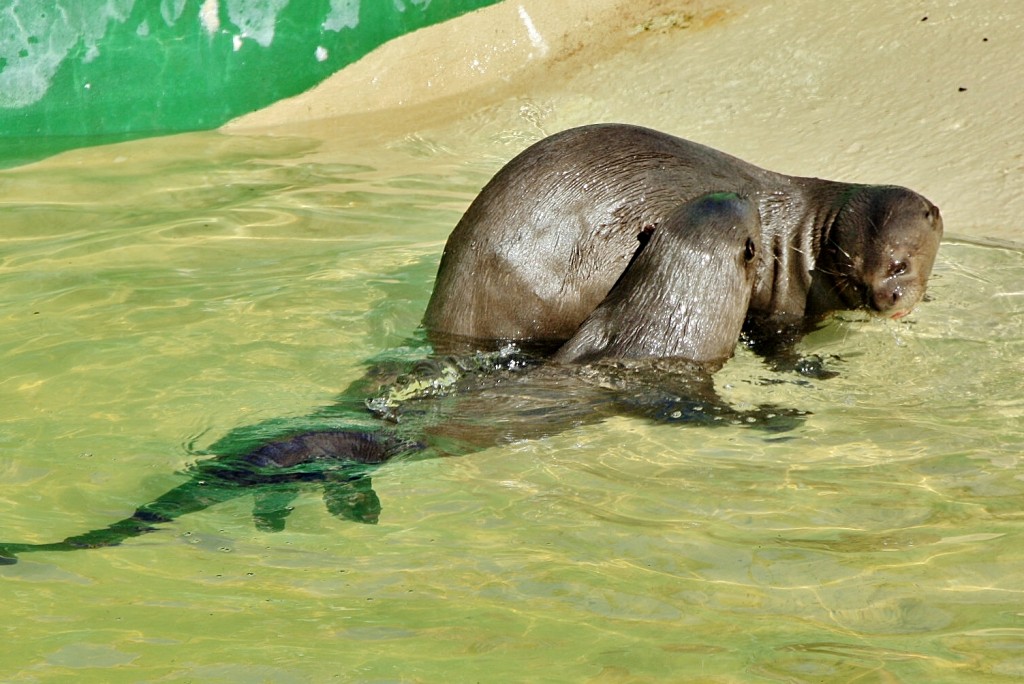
[[887, 298]]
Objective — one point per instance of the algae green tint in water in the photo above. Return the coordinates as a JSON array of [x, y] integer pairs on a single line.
[[153, 303]]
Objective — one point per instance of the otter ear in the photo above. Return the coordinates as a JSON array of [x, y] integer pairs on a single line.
[[749, 250], [645, 234]]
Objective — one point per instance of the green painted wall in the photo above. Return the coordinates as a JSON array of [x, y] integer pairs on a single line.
[[81, 72]]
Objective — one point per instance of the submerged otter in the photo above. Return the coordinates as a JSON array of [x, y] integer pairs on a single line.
[[546, 238], [672, 318]]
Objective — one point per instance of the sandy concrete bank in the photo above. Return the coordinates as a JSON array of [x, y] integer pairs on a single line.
[[924, 94]]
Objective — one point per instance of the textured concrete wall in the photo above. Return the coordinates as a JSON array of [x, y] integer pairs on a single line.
[[924, 94]]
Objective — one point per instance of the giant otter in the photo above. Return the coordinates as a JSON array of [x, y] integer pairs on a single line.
[[679, 306], [553, 230]]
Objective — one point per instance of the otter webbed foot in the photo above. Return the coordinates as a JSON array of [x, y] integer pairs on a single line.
[[813, 366], [765, 417], [272, 506], [776, 343], [352, 498], [346, 496]]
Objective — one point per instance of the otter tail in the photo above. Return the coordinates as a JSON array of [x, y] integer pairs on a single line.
[[337, 461]]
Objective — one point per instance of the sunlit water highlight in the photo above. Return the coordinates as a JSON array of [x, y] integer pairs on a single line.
[[152, 303]]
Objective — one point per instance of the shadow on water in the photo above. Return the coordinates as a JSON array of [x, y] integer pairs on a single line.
[[439, 406]]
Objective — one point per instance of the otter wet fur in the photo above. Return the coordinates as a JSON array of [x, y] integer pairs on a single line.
[[647, 351], [554, 229], [685, 294]]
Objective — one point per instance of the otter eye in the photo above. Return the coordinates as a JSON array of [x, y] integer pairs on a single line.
[[897, 268], [749, 250]]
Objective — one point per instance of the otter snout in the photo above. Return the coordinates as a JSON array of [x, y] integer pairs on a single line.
[[890, 300], [898, 289]]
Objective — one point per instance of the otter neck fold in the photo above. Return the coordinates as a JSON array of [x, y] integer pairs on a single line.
[[797, 235]]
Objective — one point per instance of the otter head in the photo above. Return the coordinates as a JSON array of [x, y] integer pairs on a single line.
[[685, 293], [880, 250]]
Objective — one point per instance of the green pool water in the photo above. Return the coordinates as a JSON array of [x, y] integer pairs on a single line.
[[157, 296]]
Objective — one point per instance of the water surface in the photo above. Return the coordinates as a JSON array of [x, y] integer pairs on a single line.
[[158, 295]]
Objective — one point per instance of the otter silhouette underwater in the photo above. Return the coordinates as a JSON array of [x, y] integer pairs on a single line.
[[647, 347], [647, 350]]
